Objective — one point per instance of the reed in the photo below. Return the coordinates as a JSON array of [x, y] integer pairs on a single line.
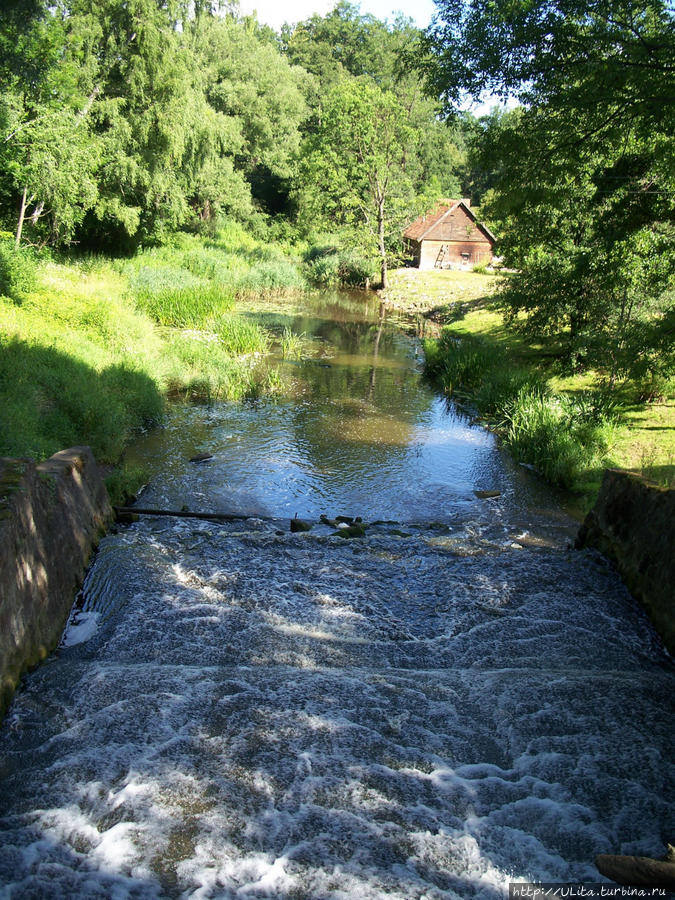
[[563, 437]]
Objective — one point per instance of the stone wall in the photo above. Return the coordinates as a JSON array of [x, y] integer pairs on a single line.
[[633, 523], [51, 517]]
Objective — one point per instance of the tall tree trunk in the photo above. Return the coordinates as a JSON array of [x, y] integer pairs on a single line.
[[380, 241], [22, 215]]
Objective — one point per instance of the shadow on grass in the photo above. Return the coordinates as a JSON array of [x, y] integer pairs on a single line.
[[448, 313], [663, 476], [51, 400]]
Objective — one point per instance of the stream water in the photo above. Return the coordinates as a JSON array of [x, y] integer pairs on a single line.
[[455, 701]]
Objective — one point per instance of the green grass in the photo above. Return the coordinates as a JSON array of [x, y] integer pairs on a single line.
[[563, 424], [562, 436], [291, 344], [91, 349], [191, 282], [438, 290]]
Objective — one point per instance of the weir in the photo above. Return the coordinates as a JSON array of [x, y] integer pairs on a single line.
[[433, 712]]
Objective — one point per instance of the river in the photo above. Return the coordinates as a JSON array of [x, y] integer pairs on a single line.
[[453, 702]]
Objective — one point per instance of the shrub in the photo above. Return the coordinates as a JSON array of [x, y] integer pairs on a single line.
[[355, 270], [323, 266], [329, 266], [18, 269]]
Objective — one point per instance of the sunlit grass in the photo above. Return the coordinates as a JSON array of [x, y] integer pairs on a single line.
[[292, 344], [420, 291], [541, 412], [92, 350]]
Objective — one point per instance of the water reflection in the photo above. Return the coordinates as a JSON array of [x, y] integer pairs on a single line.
[[361, 434]]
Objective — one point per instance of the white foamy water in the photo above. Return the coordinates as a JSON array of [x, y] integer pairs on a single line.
[[299, 716]]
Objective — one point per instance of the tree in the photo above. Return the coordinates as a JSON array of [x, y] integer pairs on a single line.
[[121, 122], [248, 81], [345, 42], [355, 164], [47, 152], [584, 171]]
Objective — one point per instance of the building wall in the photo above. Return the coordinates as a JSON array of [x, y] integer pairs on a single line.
[[459, 254]]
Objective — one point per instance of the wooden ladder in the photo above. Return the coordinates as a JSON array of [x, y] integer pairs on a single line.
[[441, 256]]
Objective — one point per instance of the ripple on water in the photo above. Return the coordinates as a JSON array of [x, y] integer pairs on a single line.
[[301, 716]]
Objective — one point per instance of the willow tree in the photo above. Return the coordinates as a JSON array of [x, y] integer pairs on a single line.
[[357, 164]]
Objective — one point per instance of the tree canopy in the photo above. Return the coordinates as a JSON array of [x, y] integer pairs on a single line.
[[122, 122], [582, 173]]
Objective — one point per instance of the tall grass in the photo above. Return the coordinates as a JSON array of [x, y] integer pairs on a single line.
[[190, 283], [554, 433], [173, 296], [562, 436], [292, 345], [88, 352]]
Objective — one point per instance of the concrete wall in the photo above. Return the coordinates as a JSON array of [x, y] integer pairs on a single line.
[[51, 517], [633, 523]]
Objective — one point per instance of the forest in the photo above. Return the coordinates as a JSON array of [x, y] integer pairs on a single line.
[[184, 155]]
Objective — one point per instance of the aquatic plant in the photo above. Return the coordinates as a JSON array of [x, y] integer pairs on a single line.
[[292, 344]]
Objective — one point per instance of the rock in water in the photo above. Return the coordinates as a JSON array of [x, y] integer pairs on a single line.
[[638, 871], [201, 457], [300, 525], [358, 529]]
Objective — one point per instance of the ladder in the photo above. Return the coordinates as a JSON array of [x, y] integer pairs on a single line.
[[441, 256]]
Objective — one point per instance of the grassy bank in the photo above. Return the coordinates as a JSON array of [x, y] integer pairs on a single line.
[[91, 348], [564, 425]]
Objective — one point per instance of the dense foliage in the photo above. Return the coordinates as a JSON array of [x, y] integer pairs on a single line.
[[123, 122], [582, 172]]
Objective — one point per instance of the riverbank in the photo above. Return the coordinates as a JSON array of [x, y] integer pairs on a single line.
[[93, 347], [625, 433]]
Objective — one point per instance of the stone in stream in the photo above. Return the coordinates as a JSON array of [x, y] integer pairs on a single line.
[[300, 524], [639, 871], [358, 529], [201, 457]]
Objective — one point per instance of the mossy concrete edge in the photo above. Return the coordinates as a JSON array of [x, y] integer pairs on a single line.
[[52, 516], [633, 524]]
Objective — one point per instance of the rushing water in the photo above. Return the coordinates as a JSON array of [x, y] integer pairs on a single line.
[[448, 704]]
